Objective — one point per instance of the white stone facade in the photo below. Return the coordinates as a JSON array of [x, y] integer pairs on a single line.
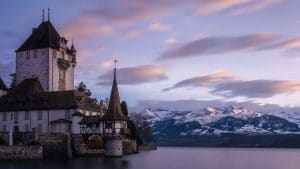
[[43, 63], [24, 121]]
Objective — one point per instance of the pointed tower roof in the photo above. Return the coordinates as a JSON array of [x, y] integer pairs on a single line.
[[2, 85], [114, 111], [44, 36]]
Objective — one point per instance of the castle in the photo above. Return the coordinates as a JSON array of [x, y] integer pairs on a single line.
[[44, 98]]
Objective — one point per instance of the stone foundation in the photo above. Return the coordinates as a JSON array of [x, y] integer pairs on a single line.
[[129, 147], [113, 147], [21, 152]]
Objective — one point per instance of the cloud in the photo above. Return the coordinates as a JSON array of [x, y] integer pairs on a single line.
[[219, 44], [226, 84], [205, 81], [196, 105], [107, 64], [133, 33], [231, 7], [288, 44], [170, 41], [256, 88], [130, 11], [254, 5], [207, 7], [135, 75], [159, 27], [85, 28]]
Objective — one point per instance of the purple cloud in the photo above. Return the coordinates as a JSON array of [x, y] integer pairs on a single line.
[[228, 85], [256, 88], [135, 75], [217, 45]]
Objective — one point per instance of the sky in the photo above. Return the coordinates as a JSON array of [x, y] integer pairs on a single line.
[[184, 54]]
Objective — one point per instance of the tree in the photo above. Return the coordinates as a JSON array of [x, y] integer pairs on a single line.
[[143, 128], [13, 80], [124, 108], [81, 87]]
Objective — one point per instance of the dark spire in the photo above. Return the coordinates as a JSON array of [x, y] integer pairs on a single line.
[[114, 111], [48, 14], [43, 15], [72, 46], [115, 70]]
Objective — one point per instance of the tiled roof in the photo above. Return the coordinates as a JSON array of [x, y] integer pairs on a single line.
[[91, 120], [29, 95], [114, 111], [42, 37]]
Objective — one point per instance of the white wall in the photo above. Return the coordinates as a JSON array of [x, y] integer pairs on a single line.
[[33, 67], [47, 116], [45, 67]]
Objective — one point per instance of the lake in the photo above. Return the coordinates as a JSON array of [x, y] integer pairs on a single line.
[[178, 158]]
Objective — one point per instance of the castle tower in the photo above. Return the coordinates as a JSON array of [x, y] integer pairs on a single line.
[[115, 123], [46, 55]]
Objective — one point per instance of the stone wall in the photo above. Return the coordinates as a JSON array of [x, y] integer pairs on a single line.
[[55, 146], [129, 147], [21, 152]]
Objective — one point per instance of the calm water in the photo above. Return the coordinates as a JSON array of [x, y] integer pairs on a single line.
[[179, 158]]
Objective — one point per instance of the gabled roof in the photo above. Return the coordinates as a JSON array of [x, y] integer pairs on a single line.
[[44, 36], [114, 111], [91, 120], [29, 95], [2, 85]]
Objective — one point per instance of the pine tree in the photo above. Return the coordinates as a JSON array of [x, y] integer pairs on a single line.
[[81, 87], [13, 80], [124, 108]]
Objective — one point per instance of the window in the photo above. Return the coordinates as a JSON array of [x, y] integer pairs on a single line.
[[26, 127], [16, 116], [67, 114], [26, 115], [4, 116], [40, 128], [40, 115], [61, 74], [54, 53], [27, 55], [4, 128], [35, 53]]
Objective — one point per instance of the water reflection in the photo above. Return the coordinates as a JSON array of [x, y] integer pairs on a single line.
[[178, 158]]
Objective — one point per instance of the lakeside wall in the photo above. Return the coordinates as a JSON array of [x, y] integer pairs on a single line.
[[21, 152]]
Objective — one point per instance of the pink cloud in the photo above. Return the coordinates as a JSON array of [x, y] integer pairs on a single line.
[[85, 28], [135, 75]]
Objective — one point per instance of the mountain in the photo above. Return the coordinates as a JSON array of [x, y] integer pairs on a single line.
[[211, 125]]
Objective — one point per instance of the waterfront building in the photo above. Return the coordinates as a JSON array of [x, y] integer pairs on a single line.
[[44, 97]]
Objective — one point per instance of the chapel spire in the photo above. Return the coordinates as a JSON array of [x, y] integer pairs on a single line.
[[114, 111]]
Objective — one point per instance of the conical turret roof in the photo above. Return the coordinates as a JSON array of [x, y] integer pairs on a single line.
[[114, 111]]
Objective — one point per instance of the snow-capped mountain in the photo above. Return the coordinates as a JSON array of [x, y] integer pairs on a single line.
[[218, 120]]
